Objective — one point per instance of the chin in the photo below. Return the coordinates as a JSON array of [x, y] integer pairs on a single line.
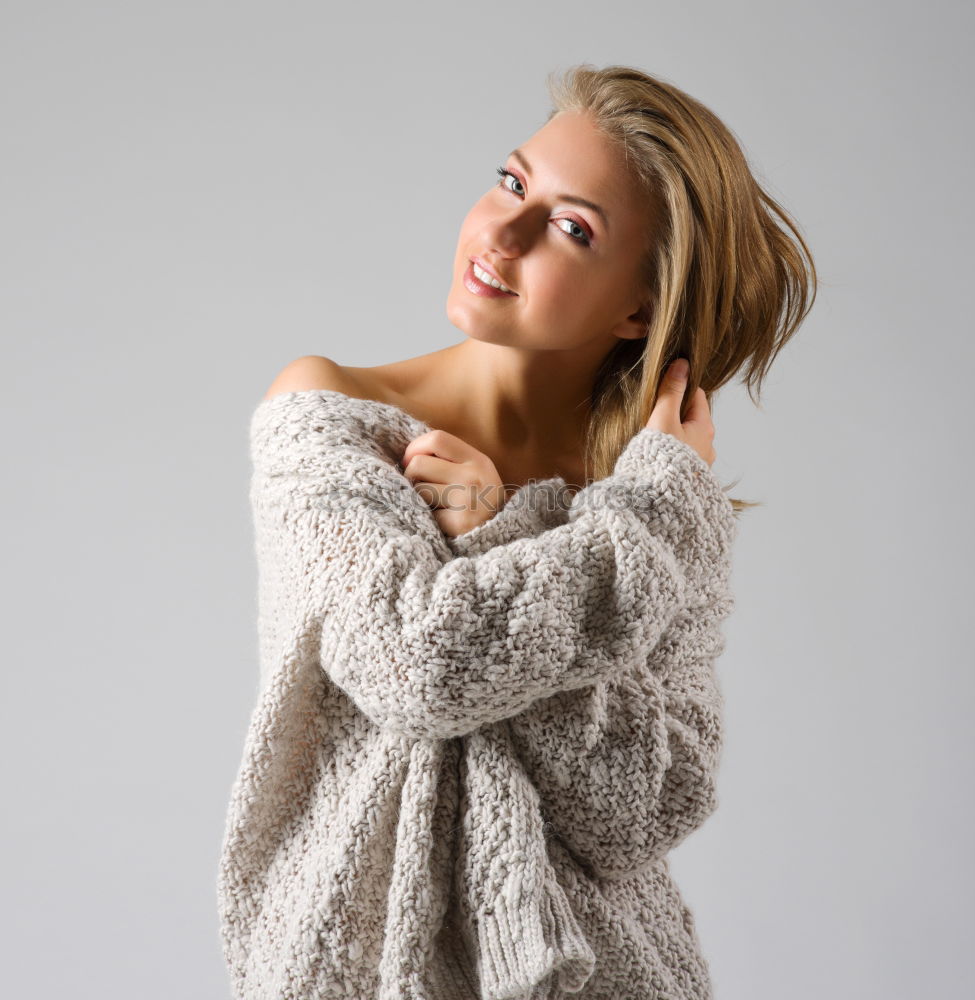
[[479, 331], [469, 319], [466, 318]]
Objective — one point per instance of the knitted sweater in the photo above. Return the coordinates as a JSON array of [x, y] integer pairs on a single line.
[[470, 756]]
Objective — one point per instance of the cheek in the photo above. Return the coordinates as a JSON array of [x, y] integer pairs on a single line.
[[562, 285], [475, 218], [578, 300]]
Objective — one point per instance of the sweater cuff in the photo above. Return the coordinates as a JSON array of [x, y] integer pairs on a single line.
[[536, 950], [536, 507]]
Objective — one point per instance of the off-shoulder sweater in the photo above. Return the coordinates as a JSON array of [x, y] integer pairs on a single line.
[[470, 756]]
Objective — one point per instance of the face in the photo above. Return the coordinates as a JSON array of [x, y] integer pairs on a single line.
[[573, 268]]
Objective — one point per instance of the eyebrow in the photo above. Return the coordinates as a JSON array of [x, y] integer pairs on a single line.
[[571, 198]]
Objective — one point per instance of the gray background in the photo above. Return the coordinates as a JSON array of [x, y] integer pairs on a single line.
[[195, 194]]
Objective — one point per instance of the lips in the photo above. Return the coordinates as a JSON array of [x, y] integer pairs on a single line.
[[494, 274]]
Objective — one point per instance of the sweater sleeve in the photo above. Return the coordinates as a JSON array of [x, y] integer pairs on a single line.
[[535, 508], [433, 645], [627, 768]]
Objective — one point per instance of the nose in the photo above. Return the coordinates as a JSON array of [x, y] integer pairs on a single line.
[[510, 233], [502, 239]]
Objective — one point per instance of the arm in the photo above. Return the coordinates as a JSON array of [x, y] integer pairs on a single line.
[[535, 508], [433, 646], [627, 768]]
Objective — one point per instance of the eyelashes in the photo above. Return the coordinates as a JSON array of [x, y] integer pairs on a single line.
[[504, 174]]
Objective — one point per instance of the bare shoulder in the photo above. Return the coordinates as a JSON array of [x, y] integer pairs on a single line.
[[312, 372]]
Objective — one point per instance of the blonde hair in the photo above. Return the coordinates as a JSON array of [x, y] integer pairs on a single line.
[[725, 284]]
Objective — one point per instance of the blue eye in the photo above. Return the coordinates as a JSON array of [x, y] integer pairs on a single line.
[[505, 174]]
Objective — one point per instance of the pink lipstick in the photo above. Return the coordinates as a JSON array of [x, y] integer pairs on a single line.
[[478, 287]]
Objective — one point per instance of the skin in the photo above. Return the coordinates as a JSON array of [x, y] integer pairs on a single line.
[[463, 485], [510, 401]]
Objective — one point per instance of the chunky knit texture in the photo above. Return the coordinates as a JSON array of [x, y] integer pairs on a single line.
[[470, 756]]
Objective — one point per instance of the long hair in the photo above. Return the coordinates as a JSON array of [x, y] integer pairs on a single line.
[[728, 276]]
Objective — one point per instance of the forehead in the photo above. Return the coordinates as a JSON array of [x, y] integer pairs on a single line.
[[570, 154]]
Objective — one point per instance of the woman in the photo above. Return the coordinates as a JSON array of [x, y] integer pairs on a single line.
[[492, 584]]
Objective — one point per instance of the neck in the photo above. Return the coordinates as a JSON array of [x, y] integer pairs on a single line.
[[529, 403]]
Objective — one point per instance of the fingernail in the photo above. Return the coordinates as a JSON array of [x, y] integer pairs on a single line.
[[681, 368]]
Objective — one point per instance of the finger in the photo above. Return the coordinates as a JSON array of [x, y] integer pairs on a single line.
[[672, 388], [698, 411], [448, 496], [440, 443], [430, 493], [431, 469]]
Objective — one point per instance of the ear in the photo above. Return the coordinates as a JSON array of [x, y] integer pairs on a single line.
[[635, 325]]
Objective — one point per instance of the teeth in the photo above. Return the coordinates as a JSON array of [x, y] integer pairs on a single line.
[[482, 275]]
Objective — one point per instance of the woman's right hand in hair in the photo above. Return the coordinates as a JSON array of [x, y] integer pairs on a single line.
[[697, 430]]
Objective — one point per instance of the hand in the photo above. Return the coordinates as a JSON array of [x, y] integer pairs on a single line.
[[697, 430], [460, 483]]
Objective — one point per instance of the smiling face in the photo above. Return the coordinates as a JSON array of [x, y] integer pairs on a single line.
[[575, 269]]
